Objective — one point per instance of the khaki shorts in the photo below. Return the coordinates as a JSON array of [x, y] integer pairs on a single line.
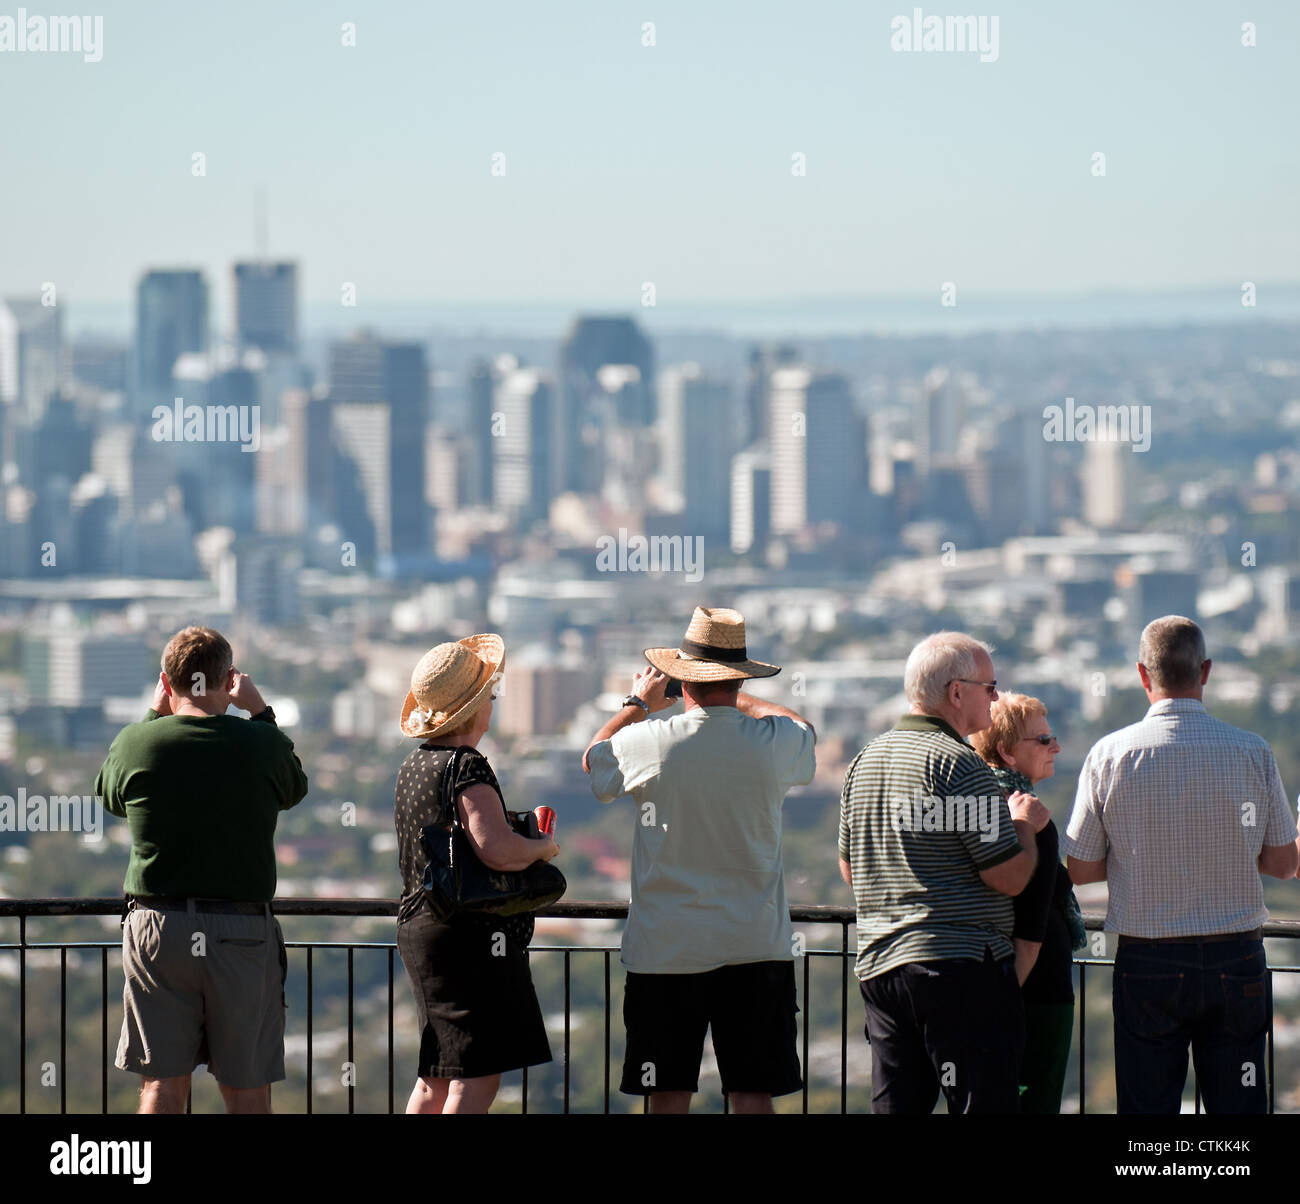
[[203, 987]]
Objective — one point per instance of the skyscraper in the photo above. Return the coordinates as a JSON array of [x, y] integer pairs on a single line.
[[31, 355], [588, 406], [266, 306], [380, 393], [171, 319], [751, 499], [697, 431], [480, 388], [1107, 480], [940, 421], [818, 450], [523, 471]]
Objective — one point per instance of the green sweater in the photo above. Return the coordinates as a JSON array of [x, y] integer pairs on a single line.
[[202, 797]]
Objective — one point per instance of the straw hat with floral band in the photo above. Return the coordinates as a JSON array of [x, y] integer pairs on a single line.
[[451, 682], [713, 650]]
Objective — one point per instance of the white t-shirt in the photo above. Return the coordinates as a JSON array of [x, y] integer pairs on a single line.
[[708, 888]]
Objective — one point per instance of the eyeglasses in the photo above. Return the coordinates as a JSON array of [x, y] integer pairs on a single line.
[[1049, 738], [990, 686]]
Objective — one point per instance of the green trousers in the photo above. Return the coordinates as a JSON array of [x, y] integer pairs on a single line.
[[1048, 1031]]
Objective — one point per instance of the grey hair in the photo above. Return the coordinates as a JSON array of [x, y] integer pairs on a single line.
[[937, 660], [1173, 651]]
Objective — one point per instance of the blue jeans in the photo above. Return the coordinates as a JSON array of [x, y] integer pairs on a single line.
[[1217, 997]]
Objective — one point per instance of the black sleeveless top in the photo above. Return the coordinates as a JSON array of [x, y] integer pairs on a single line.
[[418, 803]]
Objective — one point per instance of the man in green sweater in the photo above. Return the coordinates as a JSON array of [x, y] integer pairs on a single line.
[[203, 955]]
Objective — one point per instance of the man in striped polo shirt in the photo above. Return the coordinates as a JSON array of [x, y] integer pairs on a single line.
[[934, 855], [1180, 813]]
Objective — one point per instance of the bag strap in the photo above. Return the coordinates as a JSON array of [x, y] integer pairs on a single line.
[[448, 788]]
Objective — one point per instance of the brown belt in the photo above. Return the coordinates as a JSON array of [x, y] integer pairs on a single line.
[[1254, 934]]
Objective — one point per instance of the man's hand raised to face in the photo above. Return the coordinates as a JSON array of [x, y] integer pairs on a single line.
[[245, 695], [649, 685]]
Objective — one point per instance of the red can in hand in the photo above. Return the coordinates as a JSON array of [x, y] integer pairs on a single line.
[[545, 821]]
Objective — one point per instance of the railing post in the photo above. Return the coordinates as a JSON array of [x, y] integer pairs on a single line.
[[103, 1067], [844, 1018], [1083, 1037], [806, 1009], [352, 1061], [390, 1029], [309, 1020], [63, 1031], [607, 1005], [22, 1014], [568, 1003], [1268, 1046]]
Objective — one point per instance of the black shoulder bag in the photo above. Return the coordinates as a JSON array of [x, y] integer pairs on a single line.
[[456, 882]]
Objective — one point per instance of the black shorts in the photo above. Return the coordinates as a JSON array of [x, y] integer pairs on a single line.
[[478, 1013], [751, 1009]]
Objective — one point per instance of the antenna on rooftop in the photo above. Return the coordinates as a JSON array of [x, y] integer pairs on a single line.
[[259, 221]]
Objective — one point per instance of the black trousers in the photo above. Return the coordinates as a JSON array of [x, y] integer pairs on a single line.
[[953, 1026]]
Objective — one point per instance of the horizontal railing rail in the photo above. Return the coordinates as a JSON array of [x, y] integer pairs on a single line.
[[24, 910]]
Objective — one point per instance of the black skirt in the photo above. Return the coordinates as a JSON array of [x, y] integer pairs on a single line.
[[474, 998]]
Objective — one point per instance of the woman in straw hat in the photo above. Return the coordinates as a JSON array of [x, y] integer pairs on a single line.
[[474, 995]]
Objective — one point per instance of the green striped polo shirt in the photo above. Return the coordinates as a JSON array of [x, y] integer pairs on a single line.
[[920, 816]]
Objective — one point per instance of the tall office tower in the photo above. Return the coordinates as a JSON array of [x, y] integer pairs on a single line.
[[31, 355], [523, 472], [1106, 478], [940, 420], [266, 306], [364, 509], [61, 444], [322, 461], [751, 499], [764, 359], [281, 470], [480, 386], [1006, 471], [590, 407], [99, 363], [171, 319], [137, 470], [819, 450], [697, 429], [392, 377]]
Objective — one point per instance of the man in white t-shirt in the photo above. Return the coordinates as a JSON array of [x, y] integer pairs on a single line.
[[708, 941]]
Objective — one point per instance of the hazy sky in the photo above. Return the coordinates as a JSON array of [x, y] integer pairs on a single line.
[[669, 164]]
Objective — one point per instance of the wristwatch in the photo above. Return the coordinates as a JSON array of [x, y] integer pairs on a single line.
[[268, 715], [632, 700]]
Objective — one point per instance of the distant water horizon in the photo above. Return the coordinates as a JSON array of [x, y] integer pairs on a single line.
[[837, 316]]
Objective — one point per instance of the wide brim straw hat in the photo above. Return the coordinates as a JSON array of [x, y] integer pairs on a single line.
[[713, 649], [450, 683]]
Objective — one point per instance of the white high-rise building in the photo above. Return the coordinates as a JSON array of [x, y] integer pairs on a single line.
[[818, 449], [1108, 484], [523, 467], [31, 350], [751, 498]]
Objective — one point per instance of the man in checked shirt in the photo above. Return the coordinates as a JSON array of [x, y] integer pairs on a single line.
[[1180, 814]]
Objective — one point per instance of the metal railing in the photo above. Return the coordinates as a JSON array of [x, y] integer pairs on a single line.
[[22, 910]]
